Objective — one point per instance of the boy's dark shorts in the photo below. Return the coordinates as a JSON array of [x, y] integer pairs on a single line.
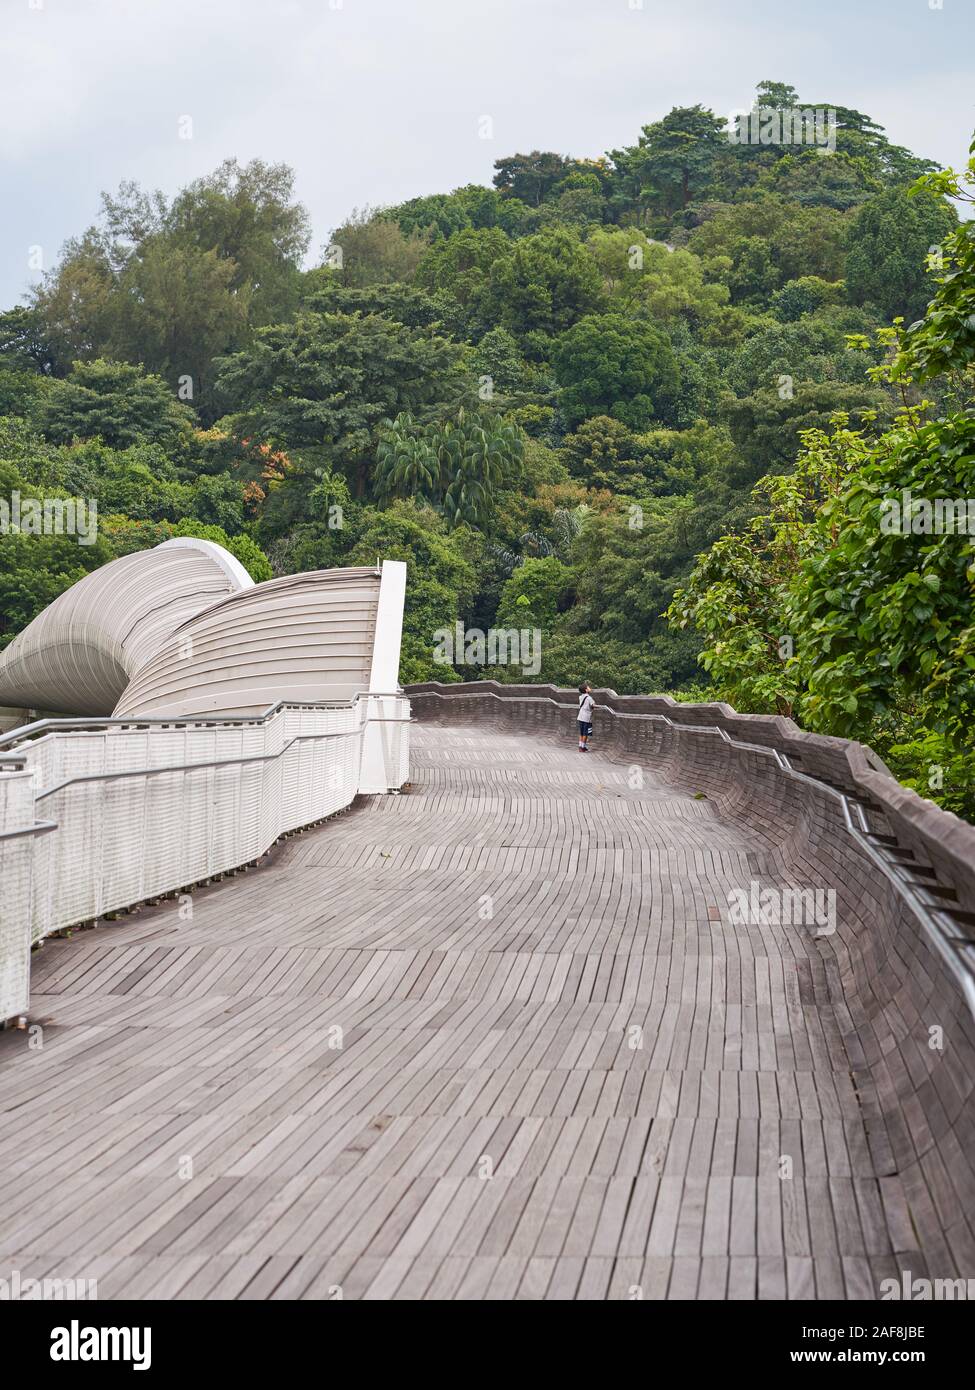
[[584, 728]]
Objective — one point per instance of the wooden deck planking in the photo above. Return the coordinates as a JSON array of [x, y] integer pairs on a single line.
[[491, 1127]]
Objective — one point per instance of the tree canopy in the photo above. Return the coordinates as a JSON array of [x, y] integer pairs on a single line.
[[651, 401]]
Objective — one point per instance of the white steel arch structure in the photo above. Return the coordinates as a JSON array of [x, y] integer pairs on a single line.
[[79, 654], [182, 631], [208, 716], [303, 637]]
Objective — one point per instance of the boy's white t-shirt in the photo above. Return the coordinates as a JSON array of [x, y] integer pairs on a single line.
[[586, 703]]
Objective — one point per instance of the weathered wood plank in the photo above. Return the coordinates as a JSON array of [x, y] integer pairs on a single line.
[[495, 1038]]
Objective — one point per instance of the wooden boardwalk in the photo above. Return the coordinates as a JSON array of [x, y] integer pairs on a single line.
[[494, 1038]]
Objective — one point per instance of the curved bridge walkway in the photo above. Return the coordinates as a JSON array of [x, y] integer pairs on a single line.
[[496, 1037]]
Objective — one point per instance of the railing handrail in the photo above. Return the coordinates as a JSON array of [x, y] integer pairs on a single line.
[[119, 773], [54, 724], [40, 827]]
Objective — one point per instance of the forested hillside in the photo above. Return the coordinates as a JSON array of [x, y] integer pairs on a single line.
[[550, 397]]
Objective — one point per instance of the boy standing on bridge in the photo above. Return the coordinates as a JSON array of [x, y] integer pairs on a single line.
[[586, 703]]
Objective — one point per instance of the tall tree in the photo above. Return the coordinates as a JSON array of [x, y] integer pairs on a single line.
[[329, 380], [370, 249], [248, 215], [890, 242], [608, 364], [74, 302], [459, 269], [114, 402], [176, 310], [457, 465], [674, 158], [23, 342], [546, 284], [530, 177]]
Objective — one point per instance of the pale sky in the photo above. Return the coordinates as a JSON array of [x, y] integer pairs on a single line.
[[375, 101]]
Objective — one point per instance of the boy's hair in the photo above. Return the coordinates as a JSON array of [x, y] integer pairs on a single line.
[[584, 687]]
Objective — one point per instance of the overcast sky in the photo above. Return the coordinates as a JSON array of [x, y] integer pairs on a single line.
[[374, 101]]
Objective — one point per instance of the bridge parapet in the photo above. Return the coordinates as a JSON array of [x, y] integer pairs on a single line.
[[99, 815]]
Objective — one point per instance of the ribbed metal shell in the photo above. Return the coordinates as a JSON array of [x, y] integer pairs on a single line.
[[235, 723], [78, 656], [305, 637]]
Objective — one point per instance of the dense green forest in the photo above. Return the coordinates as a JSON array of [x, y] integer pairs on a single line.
[[649, 403]]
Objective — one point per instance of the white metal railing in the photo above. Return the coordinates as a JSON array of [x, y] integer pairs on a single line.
[[99, 815]]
